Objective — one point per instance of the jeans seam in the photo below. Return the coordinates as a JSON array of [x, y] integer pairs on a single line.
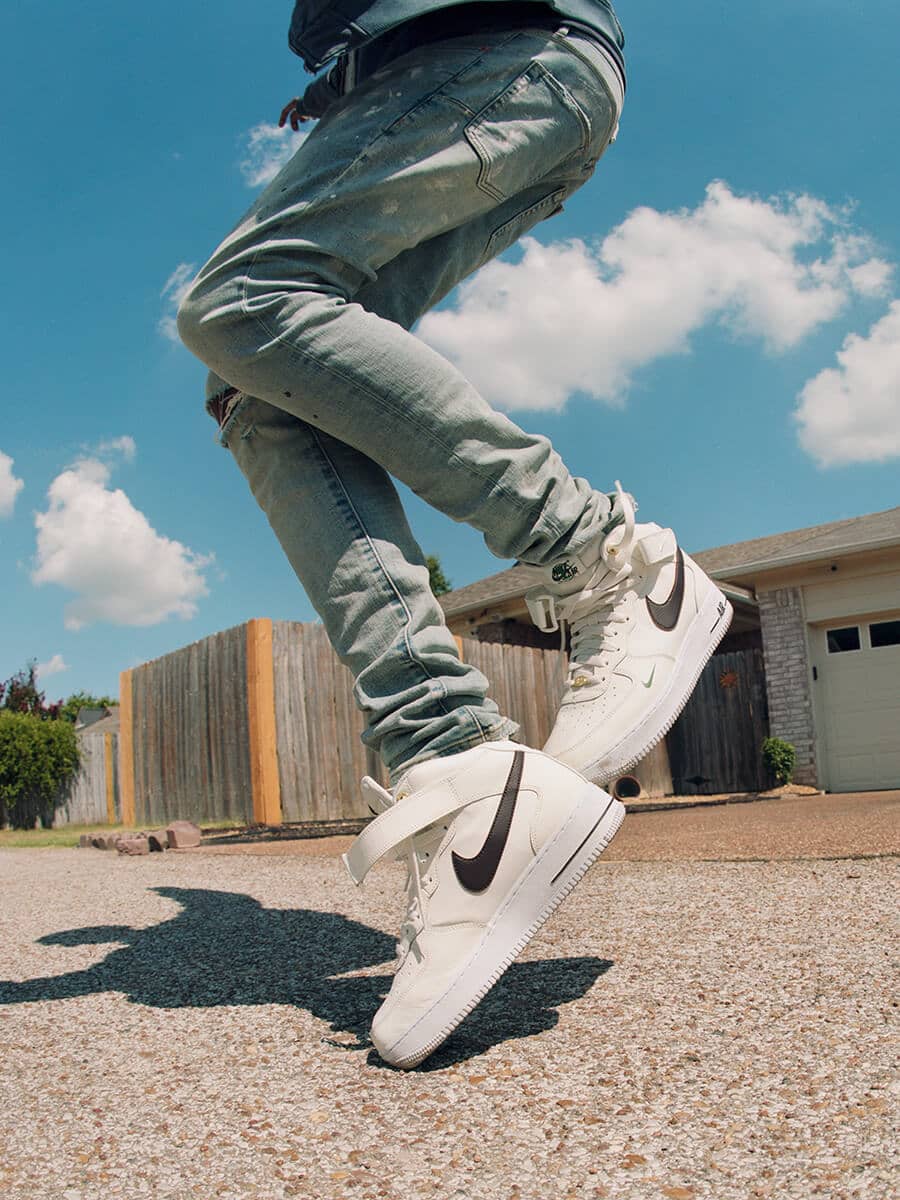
[[615, 107], [411, 654]]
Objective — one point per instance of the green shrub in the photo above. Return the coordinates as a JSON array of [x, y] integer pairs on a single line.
[[780, 757], [37, 758]]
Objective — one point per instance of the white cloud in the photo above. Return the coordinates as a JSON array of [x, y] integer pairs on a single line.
[[573, 318], [93, 541], [55, 665], [174, 291], [10, 486], [851, 412], [267, 149], [124, 445]]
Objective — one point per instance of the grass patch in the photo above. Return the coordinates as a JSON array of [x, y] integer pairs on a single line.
[[67, 836]]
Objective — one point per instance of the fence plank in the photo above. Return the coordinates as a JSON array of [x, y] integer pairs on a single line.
[[126, 747], [262, 724]]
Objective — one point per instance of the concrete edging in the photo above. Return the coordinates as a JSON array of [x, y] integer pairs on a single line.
[[671, 802]]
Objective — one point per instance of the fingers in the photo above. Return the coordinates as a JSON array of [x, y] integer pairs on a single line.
[[291, 112]]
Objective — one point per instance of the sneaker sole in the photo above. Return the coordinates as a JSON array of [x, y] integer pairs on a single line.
[[540, 889], [706, 632]]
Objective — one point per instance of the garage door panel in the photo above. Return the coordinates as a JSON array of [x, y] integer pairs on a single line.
[[859, 773]]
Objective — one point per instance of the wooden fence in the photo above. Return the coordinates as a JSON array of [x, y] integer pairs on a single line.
[[258, 724]]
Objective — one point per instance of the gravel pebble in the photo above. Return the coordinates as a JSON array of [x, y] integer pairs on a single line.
[[194, 1027]]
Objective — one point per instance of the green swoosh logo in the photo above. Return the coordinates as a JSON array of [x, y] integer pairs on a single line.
[[650, 680]]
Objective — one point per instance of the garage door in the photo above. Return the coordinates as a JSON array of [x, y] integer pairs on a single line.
[[856, 669]]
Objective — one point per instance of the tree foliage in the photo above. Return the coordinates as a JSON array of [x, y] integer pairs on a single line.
[[79, 700], [20, 694], [37, 758], [38, 748], [438, 580]]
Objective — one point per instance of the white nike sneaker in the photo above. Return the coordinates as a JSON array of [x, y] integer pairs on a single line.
[[494, 838], [644, 621]]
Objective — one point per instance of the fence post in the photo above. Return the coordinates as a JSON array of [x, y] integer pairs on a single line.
[[110, 778], [261, 722], [126, 749]]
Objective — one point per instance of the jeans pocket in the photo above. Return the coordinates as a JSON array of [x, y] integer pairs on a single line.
[[532, 126]]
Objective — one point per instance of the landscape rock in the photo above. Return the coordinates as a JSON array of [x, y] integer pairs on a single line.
[[158, 839], [105, 841], [133, 845], [183, 834]]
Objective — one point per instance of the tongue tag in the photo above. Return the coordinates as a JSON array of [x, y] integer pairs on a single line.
[[563, 572]]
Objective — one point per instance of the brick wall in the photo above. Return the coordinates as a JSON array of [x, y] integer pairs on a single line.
[[787, 676]]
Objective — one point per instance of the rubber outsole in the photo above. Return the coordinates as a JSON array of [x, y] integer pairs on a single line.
[[567, 876]]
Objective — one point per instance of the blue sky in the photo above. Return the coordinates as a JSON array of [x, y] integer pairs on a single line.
[[730, 265]]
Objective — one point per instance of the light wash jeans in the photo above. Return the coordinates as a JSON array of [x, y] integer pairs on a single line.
[[422, 173]]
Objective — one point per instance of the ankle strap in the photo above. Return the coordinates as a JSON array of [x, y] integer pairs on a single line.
[[402, 821]]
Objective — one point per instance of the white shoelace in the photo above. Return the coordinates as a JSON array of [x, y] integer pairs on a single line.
[[592, 612], [418, 852]]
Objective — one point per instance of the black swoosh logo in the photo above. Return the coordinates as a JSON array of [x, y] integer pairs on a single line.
[[476, 874], [665, 616]]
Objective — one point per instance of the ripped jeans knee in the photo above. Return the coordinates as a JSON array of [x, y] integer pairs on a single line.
[[222, 403]]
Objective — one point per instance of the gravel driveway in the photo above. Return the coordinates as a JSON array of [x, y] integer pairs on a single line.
[[193, 1025]]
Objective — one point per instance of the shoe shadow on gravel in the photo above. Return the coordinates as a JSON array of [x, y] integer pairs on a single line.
[[225, 948], [521, 1004]]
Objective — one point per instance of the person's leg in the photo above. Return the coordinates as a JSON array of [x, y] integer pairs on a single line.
[[340, 522]]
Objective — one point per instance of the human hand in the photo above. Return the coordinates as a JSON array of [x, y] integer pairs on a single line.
[[293, 112]]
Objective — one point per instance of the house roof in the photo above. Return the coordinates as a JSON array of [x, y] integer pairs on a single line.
[[495, 589], [107, 724], [869, 532], [737, 560]]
